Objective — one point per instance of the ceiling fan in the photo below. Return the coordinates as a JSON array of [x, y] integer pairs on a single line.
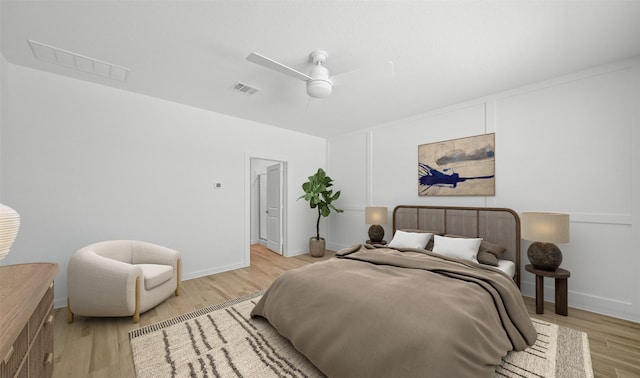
[[319, 84]]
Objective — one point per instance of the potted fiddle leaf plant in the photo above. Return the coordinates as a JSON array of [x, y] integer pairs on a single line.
[[319, 195]]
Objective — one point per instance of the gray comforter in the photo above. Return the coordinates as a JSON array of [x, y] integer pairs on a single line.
[[380, 312]]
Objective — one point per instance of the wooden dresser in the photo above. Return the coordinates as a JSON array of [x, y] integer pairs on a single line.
[[26, 320]]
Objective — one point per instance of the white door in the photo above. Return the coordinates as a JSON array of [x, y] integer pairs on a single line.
[[274, 208], [262, 207]]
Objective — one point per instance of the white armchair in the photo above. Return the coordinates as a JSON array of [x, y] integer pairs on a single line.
[[121, 278]]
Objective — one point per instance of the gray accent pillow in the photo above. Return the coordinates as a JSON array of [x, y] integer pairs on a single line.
[[489, 253]]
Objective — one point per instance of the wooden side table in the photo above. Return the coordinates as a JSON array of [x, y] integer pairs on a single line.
[[561, 276]]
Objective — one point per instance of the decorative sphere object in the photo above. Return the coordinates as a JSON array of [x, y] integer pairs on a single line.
[[9, 225], [545, 256], [376, 233]]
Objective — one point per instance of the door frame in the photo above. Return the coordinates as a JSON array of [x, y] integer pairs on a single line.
[[247, 201]]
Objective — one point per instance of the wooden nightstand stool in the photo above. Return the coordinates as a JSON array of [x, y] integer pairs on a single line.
[[561, 276]]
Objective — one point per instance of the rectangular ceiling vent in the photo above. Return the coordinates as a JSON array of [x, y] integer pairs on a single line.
[[78, 62], [244, 88]]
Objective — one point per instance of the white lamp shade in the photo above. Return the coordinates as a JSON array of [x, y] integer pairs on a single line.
[[545, 227], [9, 225], [375, 215]]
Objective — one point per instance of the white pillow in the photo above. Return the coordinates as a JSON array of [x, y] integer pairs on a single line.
[[403, 239], [461, 248]]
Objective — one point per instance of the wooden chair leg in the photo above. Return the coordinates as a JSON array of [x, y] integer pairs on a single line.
[[136, 313], [69, 313], [178, 277]]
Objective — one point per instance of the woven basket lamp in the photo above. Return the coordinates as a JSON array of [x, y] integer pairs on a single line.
[[545, 229], [375, 216], [9, 225]]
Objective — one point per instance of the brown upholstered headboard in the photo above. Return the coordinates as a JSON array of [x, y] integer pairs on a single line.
[[496, 225]]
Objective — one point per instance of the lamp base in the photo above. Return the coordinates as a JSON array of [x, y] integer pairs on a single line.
[[545, 256], [376, 233]]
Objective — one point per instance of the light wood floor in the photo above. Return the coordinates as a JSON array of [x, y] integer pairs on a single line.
[[99, 347]]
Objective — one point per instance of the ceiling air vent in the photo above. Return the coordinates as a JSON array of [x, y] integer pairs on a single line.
[[244, 88], [78, 62]]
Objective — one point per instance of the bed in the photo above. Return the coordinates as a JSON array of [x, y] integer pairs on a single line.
[[376, 311], [496, 225]]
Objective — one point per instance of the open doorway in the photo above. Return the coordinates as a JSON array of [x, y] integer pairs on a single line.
[[268, 203]]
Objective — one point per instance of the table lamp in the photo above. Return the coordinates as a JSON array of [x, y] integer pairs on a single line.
[[375, 216], [9, 225], [545, 229]]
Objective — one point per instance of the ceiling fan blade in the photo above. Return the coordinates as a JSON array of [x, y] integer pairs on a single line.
[[373, 72], [272, 64]]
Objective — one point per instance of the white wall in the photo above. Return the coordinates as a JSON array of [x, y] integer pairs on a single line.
[[83, 163], [568, 145], [3, 86]]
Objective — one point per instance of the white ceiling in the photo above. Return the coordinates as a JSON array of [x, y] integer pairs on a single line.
[[192, 52]]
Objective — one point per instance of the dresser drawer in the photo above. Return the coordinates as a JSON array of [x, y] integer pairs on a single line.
[[43, 309], [41, 356], [10, 363]]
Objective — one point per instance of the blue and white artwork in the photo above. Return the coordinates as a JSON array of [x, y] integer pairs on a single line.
[[458, 167]]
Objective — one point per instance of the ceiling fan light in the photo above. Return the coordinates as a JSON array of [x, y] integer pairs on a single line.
[[319, 88]]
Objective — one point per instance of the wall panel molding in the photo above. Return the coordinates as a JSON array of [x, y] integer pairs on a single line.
[[607, 306], [621, 219]]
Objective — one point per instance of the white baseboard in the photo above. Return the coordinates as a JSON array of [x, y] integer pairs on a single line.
[[605, 306], [58, 303], [336, 246], [208, 272], [297, 252]]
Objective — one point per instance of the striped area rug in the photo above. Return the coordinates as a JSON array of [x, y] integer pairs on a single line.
[[224, 341]]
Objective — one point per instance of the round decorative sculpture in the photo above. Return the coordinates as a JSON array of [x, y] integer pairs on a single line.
[[376, 233], [545, 256], [9, 225]]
